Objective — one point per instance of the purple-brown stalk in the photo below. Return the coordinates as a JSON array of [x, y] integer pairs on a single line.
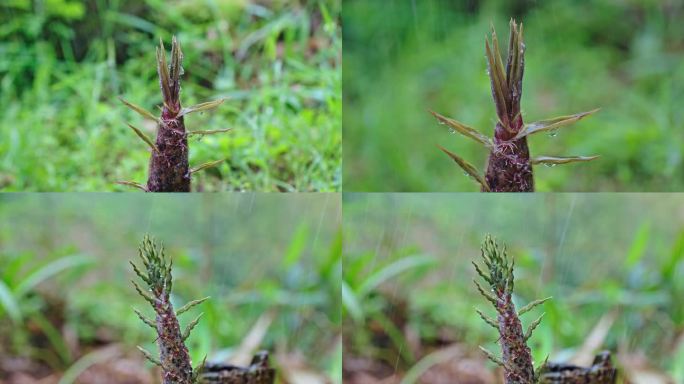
[[174, 359], [169, 167], [509, 167], [516, 358], [169, 170]]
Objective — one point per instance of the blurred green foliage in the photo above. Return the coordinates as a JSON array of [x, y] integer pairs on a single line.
[[597, 255], [63, 62], [66, 272], [403, 58]]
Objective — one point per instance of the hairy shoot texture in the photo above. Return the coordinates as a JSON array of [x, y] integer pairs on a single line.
[[169, 170], [509, 167], [174, 359], [516, 358]]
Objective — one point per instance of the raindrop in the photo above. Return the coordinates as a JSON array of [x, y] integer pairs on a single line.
[[466, 174], [452, 131], [442, 123], [550, 165], [553, 133]]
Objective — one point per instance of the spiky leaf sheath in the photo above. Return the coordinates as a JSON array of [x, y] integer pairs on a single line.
[[169, 168], [516, 358], [174, 359], [509, 166]]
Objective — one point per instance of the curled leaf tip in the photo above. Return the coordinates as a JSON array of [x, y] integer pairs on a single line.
[[457, 126], [202, 107], [552, 124], [142, 111], [144, 137], [468, 168], [208, 132], [133, 184], [551, 160], [206, 165]]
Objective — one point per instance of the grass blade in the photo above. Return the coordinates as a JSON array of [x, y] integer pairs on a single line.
[[144, 137], [97, 356], [9, 303], [49, 270], [468, 168], [391, 270], [439, 356], [463, 129], [54, 336], [351, 302], [561, 160], [551, 124], [201, 107]]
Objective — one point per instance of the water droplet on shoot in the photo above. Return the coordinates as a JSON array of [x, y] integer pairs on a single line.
[[452, 131], [550, 165], [553, 133]]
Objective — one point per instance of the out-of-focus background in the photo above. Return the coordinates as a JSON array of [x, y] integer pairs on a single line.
[[405, 57], [613, 264], [271, 264], [64, 62]]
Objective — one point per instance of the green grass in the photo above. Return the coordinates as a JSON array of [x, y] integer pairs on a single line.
[[63, 128], [625, 58], [587, 251]]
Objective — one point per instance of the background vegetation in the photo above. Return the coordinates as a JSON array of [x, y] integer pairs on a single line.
[[403, 57], [64, 62], [66, 298], [613, 264]]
